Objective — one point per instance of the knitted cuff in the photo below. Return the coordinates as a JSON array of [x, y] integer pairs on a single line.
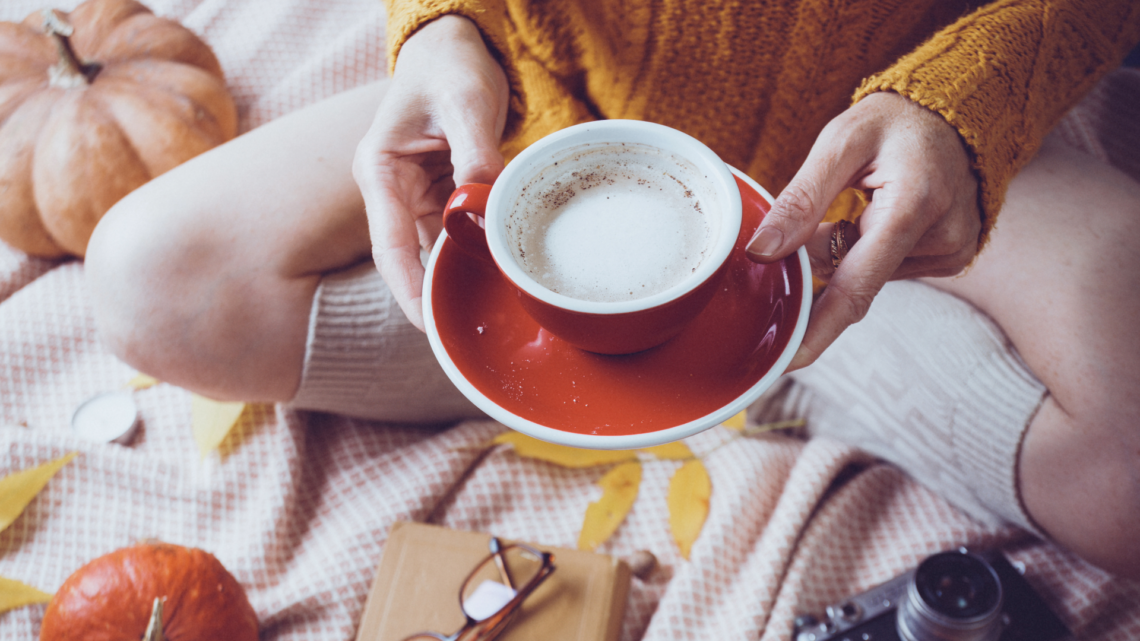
[[998, 401], [929, 383], [363, 358]]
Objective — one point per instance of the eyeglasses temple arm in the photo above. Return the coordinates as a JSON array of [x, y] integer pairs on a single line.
[[497, 550]]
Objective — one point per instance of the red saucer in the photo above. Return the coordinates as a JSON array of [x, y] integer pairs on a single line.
[[485, 341]]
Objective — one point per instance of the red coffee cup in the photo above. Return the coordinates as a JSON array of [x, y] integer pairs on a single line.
[[603, 208]]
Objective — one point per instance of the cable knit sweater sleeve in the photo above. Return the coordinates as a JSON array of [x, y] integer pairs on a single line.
[[1006, 74]]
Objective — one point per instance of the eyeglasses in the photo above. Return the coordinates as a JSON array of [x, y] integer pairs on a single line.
[[491, 595]]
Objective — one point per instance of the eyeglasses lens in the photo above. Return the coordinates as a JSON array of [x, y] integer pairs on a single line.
[[497, 580]]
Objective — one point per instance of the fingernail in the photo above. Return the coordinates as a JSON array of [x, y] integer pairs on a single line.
[[765, 243], [801, 359]]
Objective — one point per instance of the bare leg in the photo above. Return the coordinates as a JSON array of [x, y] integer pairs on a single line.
[[205, 276], [1061, 276]]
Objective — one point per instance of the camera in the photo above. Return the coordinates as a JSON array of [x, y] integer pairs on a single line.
[[950, 596]]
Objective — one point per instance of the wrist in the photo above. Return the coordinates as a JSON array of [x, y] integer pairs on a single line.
[[451, 25], [444, 33]]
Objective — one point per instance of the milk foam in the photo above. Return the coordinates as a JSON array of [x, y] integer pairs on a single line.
[[613, 222]]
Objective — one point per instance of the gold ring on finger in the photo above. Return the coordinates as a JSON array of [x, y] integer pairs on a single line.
[[839, 245]]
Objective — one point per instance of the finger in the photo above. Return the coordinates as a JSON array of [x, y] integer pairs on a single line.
[[942, 208], [953, 233], [401, 269], [844, 301], [869, 264], [475, 155], [935, 266], [474, 131], [396, 244], [835, 161], [430, 227]]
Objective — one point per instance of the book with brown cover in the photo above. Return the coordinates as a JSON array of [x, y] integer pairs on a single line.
[[420, 572]]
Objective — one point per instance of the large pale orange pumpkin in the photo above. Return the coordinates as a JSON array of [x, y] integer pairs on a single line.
[[94, 103], [112, 598]]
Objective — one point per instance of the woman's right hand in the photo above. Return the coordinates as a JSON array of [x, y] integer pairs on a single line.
[[438, 126]]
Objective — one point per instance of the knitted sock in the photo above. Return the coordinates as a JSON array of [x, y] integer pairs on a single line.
[[931, 384], [363, 358]]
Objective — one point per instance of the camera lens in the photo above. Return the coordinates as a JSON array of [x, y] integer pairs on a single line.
[[953, 596], [958, 585]]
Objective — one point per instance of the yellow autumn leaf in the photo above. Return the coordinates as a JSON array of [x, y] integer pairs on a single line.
[[19, 488], [675, 451], [142, 381], [619, 491], [14, 594], [212, 421], [737, 421], [563, 455], [690, 490]]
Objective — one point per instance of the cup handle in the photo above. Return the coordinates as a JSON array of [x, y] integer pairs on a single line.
[[468, 199]]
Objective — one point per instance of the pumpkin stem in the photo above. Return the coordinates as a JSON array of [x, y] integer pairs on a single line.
[[69, 72], [154, 628]]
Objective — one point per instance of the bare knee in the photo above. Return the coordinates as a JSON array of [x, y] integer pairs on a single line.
[[132, 272], [181, 301], [1080, 479]]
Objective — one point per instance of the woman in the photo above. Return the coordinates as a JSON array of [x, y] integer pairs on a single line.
[[248, 290]]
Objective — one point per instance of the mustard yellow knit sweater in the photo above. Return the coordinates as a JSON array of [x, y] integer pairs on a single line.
[[756, 80]]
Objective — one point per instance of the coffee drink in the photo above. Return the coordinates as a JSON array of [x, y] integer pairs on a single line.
[[613, 222]]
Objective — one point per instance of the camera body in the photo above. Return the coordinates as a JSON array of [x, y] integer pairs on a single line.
[[950, 596]]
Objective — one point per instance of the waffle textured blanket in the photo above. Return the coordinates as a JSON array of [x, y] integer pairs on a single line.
[[299, 505]]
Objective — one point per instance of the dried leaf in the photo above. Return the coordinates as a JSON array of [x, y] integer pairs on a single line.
[[675, 451], [14, 594], [212, 421], [689, 492], [563, 455], [619, 491], [142, 381], [19, 488], [737, 422]]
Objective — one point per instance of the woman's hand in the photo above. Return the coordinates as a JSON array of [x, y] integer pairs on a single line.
[[438, 126], [922, 220]]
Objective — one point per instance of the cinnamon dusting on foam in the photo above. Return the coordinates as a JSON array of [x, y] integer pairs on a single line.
[[612, 222]]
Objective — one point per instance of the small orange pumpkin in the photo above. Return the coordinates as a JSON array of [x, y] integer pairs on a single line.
[[94, 103], [112, 598]]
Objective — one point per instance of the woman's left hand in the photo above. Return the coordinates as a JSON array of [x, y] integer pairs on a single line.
[[922, 219]]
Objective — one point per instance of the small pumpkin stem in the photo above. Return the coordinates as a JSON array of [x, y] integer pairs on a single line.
[[69, 72], [154, 628]]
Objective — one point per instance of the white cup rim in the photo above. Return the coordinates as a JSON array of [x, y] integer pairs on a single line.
[[611, 131]]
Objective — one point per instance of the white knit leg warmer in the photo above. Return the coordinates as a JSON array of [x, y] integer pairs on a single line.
[[363, 358], [931, 384]]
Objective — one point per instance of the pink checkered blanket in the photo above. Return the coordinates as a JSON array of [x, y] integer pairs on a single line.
[[299, 505]]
